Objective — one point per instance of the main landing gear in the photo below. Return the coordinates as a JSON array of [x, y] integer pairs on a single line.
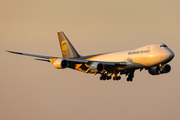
[[105, 76], [129, 74], [115, 77]]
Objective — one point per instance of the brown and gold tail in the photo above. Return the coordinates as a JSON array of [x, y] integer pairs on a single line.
[[67, 49]]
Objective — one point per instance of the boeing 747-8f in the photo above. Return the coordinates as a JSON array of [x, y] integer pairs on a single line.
[[153, 58]]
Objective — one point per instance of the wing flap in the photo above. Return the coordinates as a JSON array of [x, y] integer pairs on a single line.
[[46, 60]]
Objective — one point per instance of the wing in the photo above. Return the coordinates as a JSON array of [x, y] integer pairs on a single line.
[[48, 58], [74, 62], [43, 58]]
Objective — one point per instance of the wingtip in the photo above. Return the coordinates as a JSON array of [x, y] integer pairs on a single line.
[[7, 51], [14, 52]]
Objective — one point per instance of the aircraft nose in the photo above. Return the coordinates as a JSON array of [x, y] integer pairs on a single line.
[[170, 54]]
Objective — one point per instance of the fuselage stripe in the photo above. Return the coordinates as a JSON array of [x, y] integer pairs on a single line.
[[96, 56]]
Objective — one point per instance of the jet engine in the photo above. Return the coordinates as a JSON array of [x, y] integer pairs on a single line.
[[155, 70], [96, 67], [60, 63]]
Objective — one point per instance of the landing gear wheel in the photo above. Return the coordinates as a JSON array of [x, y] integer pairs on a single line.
[[129, 79], [108, 77], [130, 76], [119, 77], [103, 77]]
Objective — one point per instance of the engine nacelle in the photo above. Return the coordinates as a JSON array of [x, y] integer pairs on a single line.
[[155, 70], [96, 67], [60, 63], [166, 68]]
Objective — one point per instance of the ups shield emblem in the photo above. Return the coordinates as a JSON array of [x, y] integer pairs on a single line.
[[64, 45]]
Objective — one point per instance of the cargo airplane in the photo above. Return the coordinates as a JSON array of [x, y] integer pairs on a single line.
[[153, 58]]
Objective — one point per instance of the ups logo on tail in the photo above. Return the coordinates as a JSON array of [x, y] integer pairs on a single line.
[[64, 45]]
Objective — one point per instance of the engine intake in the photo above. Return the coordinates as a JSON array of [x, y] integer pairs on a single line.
[[155, 70], [166, 68], [60, 63], [96, 67]]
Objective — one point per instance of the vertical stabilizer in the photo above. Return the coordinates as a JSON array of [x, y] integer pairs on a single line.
[[67, 49]]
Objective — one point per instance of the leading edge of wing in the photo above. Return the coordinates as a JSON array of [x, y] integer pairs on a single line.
[[76, 60], [32, 55]]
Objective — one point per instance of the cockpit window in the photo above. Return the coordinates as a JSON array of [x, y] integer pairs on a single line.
[[163, 46]]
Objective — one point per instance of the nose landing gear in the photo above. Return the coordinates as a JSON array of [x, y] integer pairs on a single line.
[[130, 76]]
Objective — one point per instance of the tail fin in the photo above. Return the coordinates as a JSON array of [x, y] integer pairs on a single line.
[[67, 49]]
